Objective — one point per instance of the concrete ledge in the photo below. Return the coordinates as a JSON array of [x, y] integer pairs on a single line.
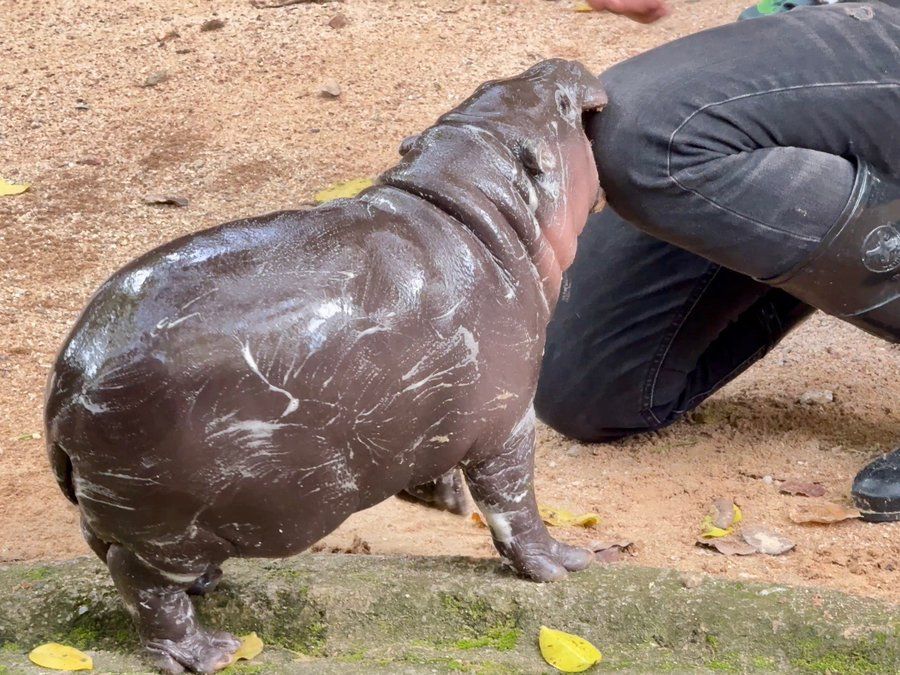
[[349, 614]]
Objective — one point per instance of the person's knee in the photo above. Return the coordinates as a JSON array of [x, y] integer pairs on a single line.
[[631, 138], [591, 412]]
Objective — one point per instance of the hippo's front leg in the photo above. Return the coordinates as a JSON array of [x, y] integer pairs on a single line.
[[502, 484]]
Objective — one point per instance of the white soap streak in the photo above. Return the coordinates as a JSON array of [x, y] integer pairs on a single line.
[[293, 402], [92, 407], [134, 281], [449, 312], [199, 297], [500, 526], [125, 476], [91, 492], [471, 345], [165, 323], [254, 433]]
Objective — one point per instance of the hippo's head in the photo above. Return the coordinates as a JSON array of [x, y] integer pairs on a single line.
[[520, 143]]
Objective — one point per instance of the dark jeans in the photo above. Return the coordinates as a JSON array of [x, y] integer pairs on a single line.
[[731, 154]]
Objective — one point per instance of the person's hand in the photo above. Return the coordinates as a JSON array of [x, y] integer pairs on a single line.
[[643, 11]]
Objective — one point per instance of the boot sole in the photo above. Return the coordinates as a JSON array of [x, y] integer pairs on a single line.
[[880, 516]]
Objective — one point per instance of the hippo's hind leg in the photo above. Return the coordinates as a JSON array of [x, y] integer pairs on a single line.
[[502, 484], [98, 546], [445, 493], [164, 615]]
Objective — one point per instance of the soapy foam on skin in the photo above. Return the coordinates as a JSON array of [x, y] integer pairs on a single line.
[[243, 390]]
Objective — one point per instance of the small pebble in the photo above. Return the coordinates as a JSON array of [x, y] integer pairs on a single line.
[[156, 78], [691, 579], [816, 397], [574, 451], [330, 89], [768, 480], [212, 24], [338, 21]]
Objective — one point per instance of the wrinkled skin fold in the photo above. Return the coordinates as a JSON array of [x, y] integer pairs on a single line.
[[243, 390]]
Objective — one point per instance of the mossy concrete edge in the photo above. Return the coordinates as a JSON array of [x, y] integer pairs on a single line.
[[345, 613]]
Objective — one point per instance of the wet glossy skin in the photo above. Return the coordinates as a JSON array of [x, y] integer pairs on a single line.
[[241, 391]]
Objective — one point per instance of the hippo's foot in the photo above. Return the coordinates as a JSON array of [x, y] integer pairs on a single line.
[[445, 493], [164, 614], [545, 560], [198, 652], [502, 483], [206, 583]]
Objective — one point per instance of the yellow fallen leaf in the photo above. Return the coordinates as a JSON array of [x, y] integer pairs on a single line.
[[343, 190], [11, 188], [251, 647], [583, 7], [561, 518], [59, 657], [566, 652], [555, 517], [587, 520], [708, 530], [721, 520]]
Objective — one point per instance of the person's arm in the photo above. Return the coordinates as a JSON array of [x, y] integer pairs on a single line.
[[644, 11]]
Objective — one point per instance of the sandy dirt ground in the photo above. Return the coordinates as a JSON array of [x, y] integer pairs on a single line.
[[237, 126]]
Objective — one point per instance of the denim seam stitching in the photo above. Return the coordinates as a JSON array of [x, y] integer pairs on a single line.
[[721, 383], [775, 90], [660, 359]]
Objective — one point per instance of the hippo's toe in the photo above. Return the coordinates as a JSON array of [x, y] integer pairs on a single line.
[[550, 560], [199, 652]]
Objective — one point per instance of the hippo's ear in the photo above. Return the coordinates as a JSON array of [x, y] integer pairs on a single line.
[[407, 143], [535, 157], [594, 95]]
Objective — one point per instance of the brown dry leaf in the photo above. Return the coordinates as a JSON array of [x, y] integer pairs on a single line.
[[270, 4], [821, 513], [611, 551], [583, 7], [478, 519], [610, 555], [793, 487], [766, 540], [728, 545], [167, 200]]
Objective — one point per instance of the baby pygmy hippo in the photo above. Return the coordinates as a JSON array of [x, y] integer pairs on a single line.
[[243, 390]]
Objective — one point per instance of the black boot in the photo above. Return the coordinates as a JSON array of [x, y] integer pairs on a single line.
[[854, 274], [876, 490]]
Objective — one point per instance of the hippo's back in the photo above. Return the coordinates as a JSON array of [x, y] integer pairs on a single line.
[[279, 337]]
